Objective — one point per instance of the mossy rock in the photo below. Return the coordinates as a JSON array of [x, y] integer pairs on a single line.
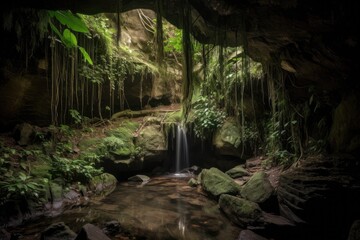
[[103, 184], [227, 138], [120, 147], [258, 189], [240, 211], [216, 182], [152, 140], [125, 131], [237, 172]]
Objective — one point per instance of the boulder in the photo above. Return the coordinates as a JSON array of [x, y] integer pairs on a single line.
[[216, 182], [103, 184], [91, 232], [240, 211], [152, 142], [258, 189], [237, 171], [227, 138], [58, 231]]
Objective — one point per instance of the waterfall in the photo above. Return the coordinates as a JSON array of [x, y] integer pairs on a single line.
[[182, 154]]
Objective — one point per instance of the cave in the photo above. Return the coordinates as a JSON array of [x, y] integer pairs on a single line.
[[209, 119]]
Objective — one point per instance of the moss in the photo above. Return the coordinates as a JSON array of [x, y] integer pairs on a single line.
[[173, 117], [258, 188], [119, 145], [124, 151], [237, 171], [89, 144], [239, 210], [216, 182], [103, 184]]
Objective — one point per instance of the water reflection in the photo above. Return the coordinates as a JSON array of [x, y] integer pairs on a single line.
[[164, 208]]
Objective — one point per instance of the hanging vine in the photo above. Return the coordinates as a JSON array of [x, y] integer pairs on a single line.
[[187, 85]]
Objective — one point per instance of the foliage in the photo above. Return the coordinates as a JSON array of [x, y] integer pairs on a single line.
[[100, 27], [74, 170], [74, 23], [75, 115], [207, 117], [280, 140], [173, 42], [18, 187]]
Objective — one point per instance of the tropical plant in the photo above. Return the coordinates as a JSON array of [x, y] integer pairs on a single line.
[[72, 22], [207, 117], [74, 170], [75, 115], [16, 187]]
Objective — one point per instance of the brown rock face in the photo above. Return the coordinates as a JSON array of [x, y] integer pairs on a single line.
[[322, 192]]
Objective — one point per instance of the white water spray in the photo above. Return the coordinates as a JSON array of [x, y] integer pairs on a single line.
[[182, 153]]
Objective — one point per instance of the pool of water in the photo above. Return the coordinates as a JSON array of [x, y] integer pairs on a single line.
[[163, 208]]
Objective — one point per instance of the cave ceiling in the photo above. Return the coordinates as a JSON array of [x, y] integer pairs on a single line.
[[316, 41]]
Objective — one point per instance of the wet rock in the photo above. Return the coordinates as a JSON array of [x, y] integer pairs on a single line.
[[58, 231], [250, 235], [258, 189], [216, 182], [72, 195], [103, 184], [112, 228], [240, 211], [237, 172], [91, 232], [354, 233], [139, 178]]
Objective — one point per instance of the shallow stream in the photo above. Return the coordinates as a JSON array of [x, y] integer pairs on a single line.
[[164, 208]]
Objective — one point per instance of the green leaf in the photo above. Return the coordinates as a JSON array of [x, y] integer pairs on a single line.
[[54, 28], [71, 21], [86, 55], [69, 38]]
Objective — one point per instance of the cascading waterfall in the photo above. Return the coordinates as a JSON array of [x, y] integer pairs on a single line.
[[182, 153]]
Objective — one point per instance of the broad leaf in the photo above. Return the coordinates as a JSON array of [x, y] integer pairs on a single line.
[[70, 20], [86, 55], [69, 38], [54, 28]]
